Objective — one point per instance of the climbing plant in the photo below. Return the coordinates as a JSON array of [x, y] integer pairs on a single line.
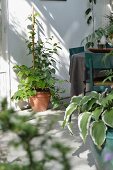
[[90, 11]]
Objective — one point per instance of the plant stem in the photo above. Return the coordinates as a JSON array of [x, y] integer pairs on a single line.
[[92, 9], [33, 36]]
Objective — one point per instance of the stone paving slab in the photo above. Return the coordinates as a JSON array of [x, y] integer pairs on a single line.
[[80, 156]]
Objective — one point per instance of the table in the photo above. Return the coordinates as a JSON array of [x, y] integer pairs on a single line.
[[77, 73], [100, 50]]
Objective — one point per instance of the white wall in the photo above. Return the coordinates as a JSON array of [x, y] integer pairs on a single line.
[[65, 20]]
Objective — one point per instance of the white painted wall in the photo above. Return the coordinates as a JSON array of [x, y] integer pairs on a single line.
[[65, 20]]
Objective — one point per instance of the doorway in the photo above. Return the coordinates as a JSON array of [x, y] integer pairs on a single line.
[[3, 58]]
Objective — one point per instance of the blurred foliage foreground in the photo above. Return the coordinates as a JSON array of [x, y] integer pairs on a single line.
[[42, 152]]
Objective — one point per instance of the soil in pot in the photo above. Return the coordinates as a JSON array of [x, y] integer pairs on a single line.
[[40, 101]]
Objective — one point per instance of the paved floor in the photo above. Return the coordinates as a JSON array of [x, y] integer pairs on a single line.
[[80, 156]]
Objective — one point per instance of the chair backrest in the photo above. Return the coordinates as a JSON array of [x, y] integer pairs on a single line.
[[76, 50], [97, 61]]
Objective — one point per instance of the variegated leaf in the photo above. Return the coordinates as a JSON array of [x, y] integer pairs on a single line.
[[108, 117], [69, 110], [96, 113], [94, 94], [106, 100], [88, 105], [83, 124], [76, 99], [98, 133], [85, 99]]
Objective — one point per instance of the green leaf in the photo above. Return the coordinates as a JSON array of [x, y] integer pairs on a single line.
[[90, 1], [95, 1], [69, 125], [98, 133], [83, 124], [105, 101], [69, 110], [88, 11], [108, 117], [89, 20], [85, 99], [87, 106], [96, 113], [76, 99], [95, 94]]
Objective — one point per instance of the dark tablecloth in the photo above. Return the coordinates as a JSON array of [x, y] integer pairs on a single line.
[[76, 72]]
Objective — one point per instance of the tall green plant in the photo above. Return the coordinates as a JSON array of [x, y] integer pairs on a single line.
[[41, 75]]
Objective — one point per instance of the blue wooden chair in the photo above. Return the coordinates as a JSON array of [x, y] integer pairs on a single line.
[[97, 62], [76, 50]]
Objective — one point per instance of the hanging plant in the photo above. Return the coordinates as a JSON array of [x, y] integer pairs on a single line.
[[90, 11]]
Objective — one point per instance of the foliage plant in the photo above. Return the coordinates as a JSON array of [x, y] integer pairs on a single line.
[[35, 140], [41, 75], [95, 115], [90, 11], [97, 34], [94, 38]]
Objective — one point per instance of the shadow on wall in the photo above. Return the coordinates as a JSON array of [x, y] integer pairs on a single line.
[[18, 49]]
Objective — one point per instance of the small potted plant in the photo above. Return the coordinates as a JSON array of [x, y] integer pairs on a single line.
[[37, 83], [95, 117]]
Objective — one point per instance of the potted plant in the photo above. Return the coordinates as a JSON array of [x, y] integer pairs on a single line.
[[95, 117], [102, 33], [38, 82]]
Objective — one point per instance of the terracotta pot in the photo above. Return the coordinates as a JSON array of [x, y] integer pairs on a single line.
[[40, 101]]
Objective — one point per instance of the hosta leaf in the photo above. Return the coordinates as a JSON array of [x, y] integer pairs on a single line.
[[88, 105], [98, 132], [96, 113], [108, 117], [76, 99], [83, 124], [85, 99], [69, 125], [106, 100], [94, 94], [69, 110]]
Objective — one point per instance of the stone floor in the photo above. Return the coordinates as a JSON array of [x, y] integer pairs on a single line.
[[80, 156]]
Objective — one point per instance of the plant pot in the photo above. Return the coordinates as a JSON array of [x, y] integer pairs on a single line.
[[40, 101], [104, 157]]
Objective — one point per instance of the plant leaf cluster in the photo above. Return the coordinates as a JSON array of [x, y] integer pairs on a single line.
[[95, 37], [27, 132], [41, 75], [95, 115], [89, 11]]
